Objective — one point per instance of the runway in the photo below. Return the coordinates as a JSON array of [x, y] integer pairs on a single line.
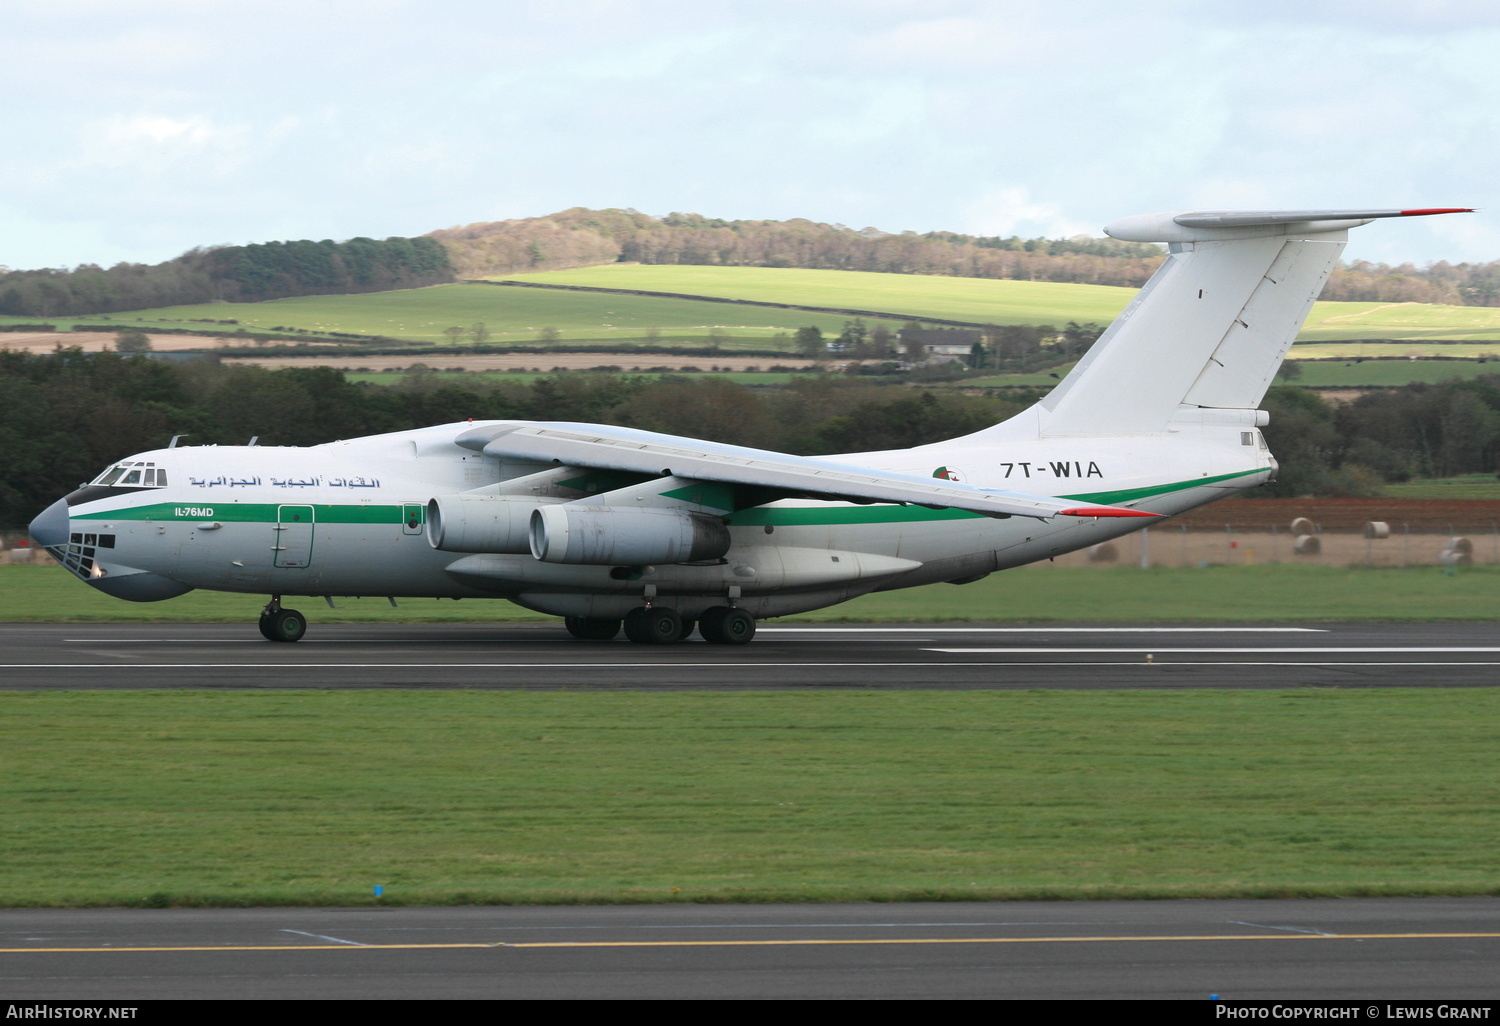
[[1361, 950], [944, 656]]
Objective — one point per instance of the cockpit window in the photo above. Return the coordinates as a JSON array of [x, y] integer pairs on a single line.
[[133, 475]]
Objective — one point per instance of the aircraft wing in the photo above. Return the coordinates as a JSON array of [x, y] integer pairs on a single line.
[[647, 452]]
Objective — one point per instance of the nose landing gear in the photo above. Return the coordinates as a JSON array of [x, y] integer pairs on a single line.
[[278, 624]]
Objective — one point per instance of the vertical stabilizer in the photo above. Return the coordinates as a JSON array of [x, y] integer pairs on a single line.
[[1211, 327]]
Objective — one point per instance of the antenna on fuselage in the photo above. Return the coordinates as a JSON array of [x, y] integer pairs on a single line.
[[253, 439], [173, 443]]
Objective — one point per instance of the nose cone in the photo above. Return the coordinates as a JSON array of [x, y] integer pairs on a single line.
[[50, 527]]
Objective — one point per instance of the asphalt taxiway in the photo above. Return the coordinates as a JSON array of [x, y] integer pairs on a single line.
[[945, 656], [1361, 950]]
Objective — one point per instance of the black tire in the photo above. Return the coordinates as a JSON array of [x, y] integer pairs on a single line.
[[687, 629], [265, 627], [653, 625], [284, 625], [722, 625], [708, 623], [587, 628]]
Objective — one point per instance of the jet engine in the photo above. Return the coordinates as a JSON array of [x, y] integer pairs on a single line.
[[614, 535], [480, 523]]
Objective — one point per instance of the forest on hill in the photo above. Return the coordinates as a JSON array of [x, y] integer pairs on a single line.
[[65, 416], [581, 237], [268, 270]]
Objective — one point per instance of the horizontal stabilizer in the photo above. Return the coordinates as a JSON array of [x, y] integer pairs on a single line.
[[1206, 225], [1240, 218]]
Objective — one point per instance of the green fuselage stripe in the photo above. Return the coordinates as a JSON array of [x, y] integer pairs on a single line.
[[251, 512]]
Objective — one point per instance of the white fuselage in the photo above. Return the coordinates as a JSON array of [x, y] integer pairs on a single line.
[[348, 519]]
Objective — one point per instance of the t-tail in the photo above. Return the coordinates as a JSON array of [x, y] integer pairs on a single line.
[[1210, 329]]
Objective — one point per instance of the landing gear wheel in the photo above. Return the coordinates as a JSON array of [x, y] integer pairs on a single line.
[[283, 625], [723, 625], [687, 629], [589, 629], [653, 625]]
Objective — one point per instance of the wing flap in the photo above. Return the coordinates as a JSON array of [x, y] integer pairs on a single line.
[[616, 448]]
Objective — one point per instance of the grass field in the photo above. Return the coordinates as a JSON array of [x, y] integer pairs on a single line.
[[511, 315], [1043, 592], [762, 379], [983, 300], [1000, 302], [1389, 373], [1332, 321], [1469, 486], [164, 798], [516, 315]]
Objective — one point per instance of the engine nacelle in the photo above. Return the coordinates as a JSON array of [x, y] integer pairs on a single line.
[[615, 535], [481, 523]]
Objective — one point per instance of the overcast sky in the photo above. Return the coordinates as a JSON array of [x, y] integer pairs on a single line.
[[136, 129]]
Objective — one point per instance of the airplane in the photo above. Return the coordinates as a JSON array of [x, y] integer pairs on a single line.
[[611, 527]]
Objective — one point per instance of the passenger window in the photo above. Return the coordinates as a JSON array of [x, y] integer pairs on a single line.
[[134, 477]]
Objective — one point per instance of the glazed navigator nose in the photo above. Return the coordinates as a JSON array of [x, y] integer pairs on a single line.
[[50, 528]]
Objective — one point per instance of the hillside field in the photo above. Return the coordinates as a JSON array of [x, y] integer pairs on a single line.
[[512, 316], [1388, 373], [518, 315], [906, 296]]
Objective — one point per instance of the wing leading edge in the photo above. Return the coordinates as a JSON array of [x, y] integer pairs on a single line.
[[648, 452]]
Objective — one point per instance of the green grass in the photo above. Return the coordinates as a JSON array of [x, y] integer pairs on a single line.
[[512, 316], [1332, 321], [1388, 373], [906, 296], [1119, 594], [1041, 379], [517, 315], [461, 797], [762, 379], [1468, 486]]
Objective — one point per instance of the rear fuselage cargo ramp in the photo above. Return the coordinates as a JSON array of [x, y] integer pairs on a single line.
[[609, 526]]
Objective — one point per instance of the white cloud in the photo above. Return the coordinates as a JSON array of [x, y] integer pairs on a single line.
[[154, 142], [1013, 211]]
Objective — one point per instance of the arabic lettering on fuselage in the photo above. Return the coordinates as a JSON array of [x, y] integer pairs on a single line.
[[285, 482]]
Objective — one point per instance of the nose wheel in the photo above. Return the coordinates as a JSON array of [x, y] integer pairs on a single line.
[[278, 624]]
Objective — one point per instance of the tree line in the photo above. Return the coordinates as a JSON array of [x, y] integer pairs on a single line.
[[268, 270], [65, 416], [581, 237], [1393, 434]]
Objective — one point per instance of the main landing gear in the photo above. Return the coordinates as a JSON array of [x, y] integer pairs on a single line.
[[662, 625], [277, 624]]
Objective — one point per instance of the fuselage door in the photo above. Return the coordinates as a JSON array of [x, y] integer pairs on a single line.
[[413, 516], [294, 536]]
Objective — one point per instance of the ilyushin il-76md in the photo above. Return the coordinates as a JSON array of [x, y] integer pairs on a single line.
[[610, 527]]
